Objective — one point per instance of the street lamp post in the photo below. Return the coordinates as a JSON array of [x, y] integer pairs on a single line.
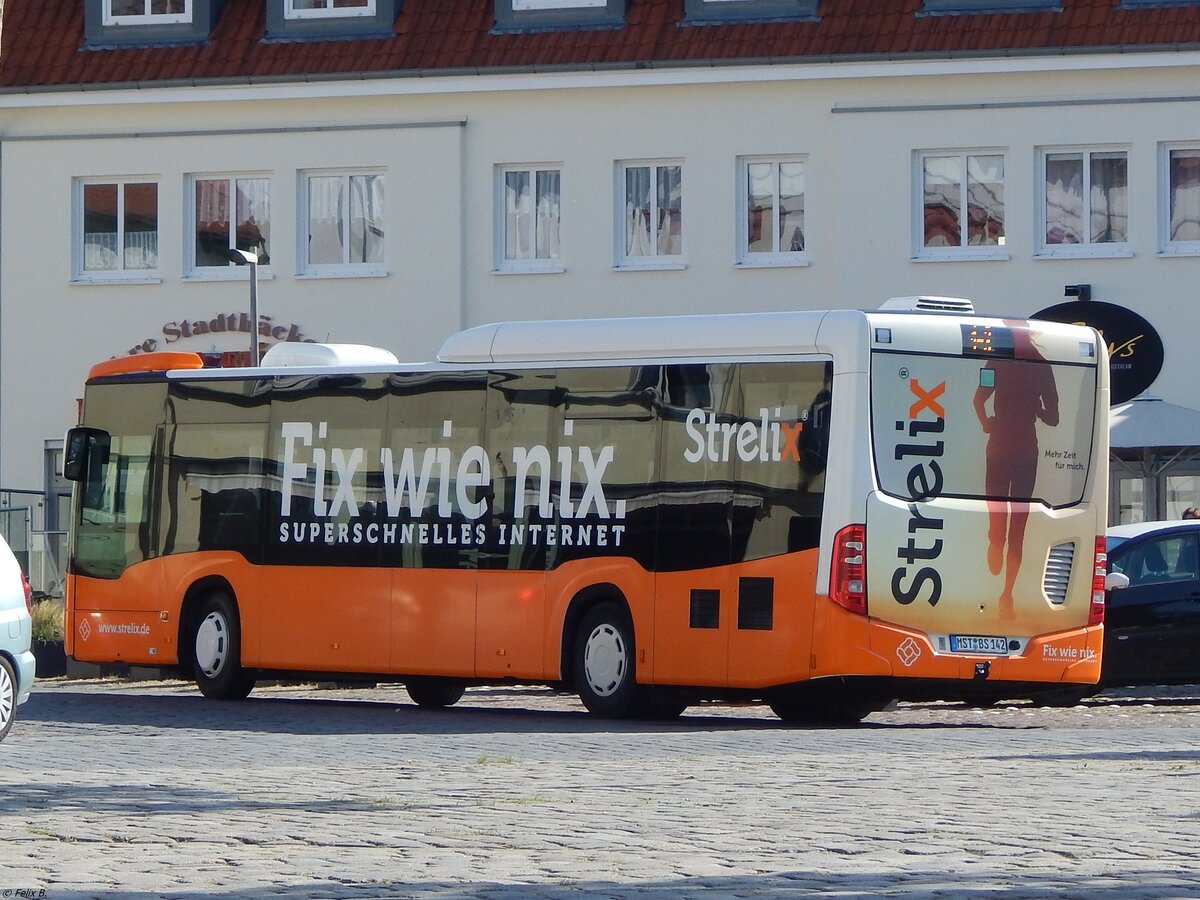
[[246, 258]]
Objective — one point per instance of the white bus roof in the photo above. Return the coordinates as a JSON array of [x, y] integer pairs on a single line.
[[931, 324], [680, 337]]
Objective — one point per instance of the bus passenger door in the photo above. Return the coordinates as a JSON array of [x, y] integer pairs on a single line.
[[326, 598], [210, 512], [433, 501]]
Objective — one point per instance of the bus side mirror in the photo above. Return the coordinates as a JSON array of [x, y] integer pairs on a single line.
[[1116, 581], [80, 445]]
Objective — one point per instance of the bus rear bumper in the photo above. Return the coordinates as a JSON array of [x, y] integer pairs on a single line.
[[1070, 657]]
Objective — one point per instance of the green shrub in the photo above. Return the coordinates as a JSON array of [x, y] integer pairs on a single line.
[[48, 620]]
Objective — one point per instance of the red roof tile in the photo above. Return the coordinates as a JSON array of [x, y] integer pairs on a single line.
[[42, 42]]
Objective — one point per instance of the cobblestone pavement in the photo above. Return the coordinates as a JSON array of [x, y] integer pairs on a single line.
[[113, 788]]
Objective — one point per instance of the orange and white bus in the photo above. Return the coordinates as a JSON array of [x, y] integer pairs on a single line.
[[824, 511]]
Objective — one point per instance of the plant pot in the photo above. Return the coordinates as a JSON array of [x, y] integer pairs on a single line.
[[51, 658]]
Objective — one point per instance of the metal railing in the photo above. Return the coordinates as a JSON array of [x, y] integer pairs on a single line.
[[42, 553]]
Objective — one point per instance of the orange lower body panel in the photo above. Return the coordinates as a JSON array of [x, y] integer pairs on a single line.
[[496, 625]]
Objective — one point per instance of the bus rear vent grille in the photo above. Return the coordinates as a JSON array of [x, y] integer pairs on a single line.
[[1058, 572], [931, 304]]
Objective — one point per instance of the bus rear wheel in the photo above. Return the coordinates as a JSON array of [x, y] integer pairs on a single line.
[[434, 693], [822, 707], [217, 650], [603, 663]]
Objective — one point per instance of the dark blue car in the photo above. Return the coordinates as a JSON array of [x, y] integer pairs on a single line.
[[1152, 627]]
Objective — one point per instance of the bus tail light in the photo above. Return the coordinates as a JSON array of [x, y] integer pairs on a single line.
[[849, 576], [1099, 570]]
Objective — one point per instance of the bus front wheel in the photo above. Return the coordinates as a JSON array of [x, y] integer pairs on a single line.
[[217, 650], [604, 663]]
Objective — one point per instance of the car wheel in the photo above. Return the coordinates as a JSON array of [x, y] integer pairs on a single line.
[[8, 697], [217, 650], [434, 693], [604, 663]]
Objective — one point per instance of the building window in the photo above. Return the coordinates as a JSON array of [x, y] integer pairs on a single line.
[[313, 9], [289, 20], [229, 214], [980, 7], [960, 207], [771, 211], [706, 12], [1180, 208], [1085, 203], [343, 224], [125, 23], [147, 12], [536, 15], [116, 230], [529, 205], [532, 5], [1154, 4], [650, 214]]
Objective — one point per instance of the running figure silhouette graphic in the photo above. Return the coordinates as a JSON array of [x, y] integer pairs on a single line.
[[1022, 391]]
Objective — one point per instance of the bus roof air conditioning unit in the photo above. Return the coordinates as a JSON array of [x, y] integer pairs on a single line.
[[297, 353], [931, 304]]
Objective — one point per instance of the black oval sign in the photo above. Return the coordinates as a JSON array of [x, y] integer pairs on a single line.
[[1135, 350]]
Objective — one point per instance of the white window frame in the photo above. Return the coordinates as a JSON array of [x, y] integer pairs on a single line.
[[654, 260], [194, 272], [146, 18], [1167, 246], [532, 5], [329, 11], [962, 252], [502, 264], [121, 274], [1086, 249], [305, 268], [715, 11], [760, 259]]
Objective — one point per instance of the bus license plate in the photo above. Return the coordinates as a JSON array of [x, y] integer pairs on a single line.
[[977, 643]]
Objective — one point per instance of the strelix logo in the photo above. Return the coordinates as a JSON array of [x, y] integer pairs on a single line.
[[926, 421], [767, 440]]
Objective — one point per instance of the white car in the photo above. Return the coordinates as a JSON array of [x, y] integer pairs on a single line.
[[16, 630]]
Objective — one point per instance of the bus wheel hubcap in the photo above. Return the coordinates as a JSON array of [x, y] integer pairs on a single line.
[[212, 643], [605, 660]]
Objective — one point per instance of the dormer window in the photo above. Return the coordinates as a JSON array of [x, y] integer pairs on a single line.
[[718, 12], [981, 7], [126, 23], [531, 5], [319, 9], [147, 12], [538, 15], [319, 20]]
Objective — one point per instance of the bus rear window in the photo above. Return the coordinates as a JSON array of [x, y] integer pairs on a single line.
[[1003, 426]]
